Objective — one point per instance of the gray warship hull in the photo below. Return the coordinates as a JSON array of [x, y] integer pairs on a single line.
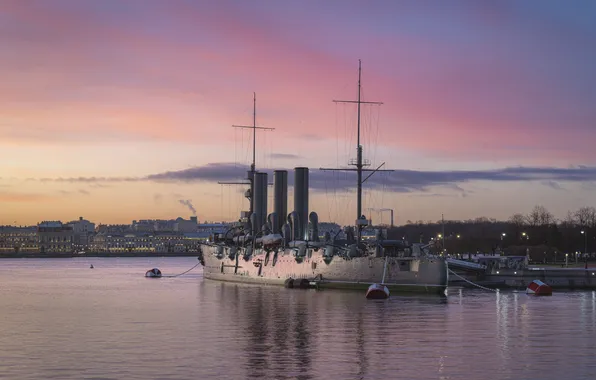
[[403, 274]]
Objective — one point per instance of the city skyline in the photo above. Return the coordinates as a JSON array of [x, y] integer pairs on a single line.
[[121, 111]]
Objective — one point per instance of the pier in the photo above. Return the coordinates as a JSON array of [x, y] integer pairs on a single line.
[[514, 272]]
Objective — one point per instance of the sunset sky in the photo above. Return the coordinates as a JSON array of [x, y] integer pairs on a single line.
[[122, 110]]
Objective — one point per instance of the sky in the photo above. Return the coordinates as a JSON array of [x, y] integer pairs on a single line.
[[123, 110]]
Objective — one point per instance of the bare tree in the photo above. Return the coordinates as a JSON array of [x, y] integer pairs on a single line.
[[570, 220], [518, 220], [482, 219], [586, 217], [540, 216]]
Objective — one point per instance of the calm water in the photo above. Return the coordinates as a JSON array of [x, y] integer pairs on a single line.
[[62, 320]]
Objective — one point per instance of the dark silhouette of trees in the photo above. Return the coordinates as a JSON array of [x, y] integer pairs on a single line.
[[538, 231]]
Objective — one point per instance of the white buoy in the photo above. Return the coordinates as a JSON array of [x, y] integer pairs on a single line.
[[153, 273]]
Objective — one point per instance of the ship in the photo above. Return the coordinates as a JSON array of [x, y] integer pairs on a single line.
[[282, 248]]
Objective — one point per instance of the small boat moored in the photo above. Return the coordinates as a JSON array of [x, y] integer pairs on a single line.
[[539, 288], [153, 273]]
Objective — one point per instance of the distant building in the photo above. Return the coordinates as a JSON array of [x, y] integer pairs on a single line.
[[186, 226], [113, 228], [169, 243], [143, 225], [18, 239], [164, 226], [53, 236], [83, 231]]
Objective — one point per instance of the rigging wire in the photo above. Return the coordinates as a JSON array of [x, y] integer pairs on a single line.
[[235, 147], [336, 137], [229, 202]]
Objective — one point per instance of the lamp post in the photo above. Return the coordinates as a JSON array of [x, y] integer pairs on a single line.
[[585, 233], [566, 260]]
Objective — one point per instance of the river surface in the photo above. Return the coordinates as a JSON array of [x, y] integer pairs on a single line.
[[59, 319]]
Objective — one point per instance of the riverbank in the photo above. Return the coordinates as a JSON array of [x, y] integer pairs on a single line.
[[58, 255]]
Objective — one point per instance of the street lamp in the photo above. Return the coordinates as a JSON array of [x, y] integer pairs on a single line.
[[566, 259], [585, 242]]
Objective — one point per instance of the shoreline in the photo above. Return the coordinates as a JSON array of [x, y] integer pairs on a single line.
[[56, 255]]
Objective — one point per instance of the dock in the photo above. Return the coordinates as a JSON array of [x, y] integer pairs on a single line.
[[514, 272]]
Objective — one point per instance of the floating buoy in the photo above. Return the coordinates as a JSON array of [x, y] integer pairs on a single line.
[[153, 273], [539, 288], [377, 292]]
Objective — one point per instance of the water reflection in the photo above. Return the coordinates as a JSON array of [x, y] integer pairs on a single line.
[[361, 344], [127, 327], [302, 343], [256, 346]]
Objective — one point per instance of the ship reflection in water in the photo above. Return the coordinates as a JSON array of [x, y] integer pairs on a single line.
[[293, 334]]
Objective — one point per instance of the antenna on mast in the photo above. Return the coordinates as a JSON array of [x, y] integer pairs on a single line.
[[359, 162], [251, 173]]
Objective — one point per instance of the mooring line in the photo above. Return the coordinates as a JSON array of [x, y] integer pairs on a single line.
[[180, 274], [472, 283]]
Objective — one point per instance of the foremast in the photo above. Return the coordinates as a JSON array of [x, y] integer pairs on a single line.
[[253, 169]]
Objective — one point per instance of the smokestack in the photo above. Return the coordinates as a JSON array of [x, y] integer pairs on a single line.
[[301, 200], [259, 205], [280, 197]]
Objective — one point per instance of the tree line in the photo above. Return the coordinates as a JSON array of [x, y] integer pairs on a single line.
[[539, 228]]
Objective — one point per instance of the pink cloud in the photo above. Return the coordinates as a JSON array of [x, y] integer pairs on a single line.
[[173, 87]]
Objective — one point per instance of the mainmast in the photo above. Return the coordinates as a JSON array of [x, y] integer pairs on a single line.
[[254, 131], [251, 173], [360, 163]]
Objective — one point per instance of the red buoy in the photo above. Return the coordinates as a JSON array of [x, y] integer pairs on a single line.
[[377, 292], [539, 288]]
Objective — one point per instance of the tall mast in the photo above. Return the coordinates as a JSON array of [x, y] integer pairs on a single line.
[[360, 163], [253, 168], [254, 131]]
